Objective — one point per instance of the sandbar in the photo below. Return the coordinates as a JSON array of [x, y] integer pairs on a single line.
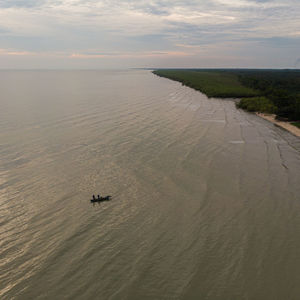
[[285, 125]]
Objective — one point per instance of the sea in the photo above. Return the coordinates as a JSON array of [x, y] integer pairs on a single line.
[[205, 197]]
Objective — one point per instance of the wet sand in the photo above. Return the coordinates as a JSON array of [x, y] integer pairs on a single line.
[[285, 125]]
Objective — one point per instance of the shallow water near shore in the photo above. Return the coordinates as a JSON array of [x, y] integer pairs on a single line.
[[206, 198]]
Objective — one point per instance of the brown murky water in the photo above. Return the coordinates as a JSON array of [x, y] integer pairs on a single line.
[[206, 198]]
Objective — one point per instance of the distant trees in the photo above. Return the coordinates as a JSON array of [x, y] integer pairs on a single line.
[[257, 104], [211, 83], [281, 87]]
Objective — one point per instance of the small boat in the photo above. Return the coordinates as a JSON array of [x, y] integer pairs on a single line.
[[101, 199]]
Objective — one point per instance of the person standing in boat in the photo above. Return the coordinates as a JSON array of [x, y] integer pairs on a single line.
[[98, 197], [94, 198]]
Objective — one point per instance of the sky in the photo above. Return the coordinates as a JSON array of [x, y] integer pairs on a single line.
[[104, 34]]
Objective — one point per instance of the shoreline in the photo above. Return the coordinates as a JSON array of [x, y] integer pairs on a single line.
[[285, 125], [216, 84]]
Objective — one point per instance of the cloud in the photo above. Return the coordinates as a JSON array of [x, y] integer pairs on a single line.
[[6, 52], [130, 54], [21, 3], [139, 26]]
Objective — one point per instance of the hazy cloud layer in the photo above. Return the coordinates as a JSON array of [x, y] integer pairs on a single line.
[[111, 33]]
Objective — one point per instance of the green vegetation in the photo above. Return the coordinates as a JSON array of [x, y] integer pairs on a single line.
[[213, 84], [270, 91], [259, 104], [296, 124], [282, 87]]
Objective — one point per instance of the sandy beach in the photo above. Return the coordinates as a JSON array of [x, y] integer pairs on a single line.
[[286, 125]]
